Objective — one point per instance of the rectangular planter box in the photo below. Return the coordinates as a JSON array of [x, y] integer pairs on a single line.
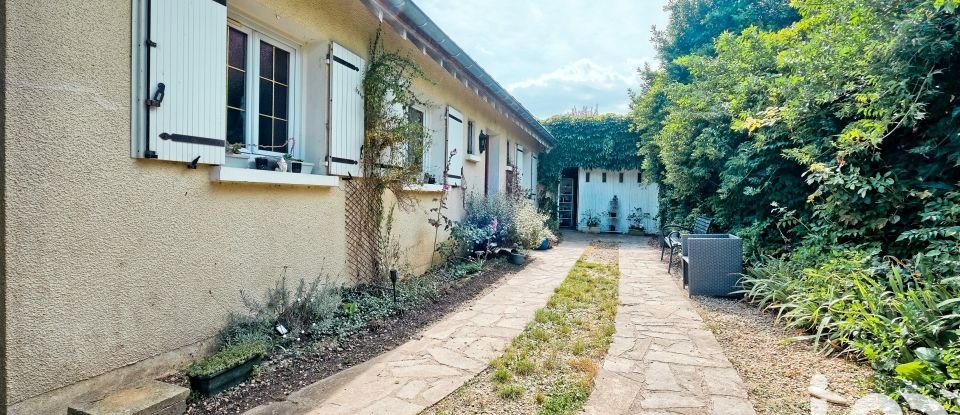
[[711, 263], [214, 384]]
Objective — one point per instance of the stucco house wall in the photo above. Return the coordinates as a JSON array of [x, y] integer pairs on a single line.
[[118, 268]]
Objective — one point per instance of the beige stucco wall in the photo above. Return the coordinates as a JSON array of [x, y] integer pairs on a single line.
[[112, 260]]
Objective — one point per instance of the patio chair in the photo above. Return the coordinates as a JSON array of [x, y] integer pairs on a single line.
[[670, 237]]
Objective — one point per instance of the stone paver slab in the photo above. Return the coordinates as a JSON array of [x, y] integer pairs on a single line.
[[421, 372], [673, 363]]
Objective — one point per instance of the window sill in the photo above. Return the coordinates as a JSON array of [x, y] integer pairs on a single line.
[[239, 175], [474, 158], [426, 188]]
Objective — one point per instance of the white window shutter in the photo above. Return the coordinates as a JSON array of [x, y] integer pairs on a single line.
[[346, 112], [519, 166], [187, 103], [455, 143], [533, 173], [534, 165]]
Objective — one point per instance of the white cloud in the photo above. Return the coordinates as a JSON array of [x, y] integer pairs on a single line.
[[555, 54], [581, 72], [579, 83]]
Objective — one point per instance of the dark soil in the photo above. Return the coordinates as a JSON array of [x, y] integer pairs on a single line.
[[287, 371]]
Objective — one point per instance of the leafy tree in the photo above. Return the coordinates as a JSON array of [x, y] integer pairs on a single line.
[[835, 136], [694, 24]]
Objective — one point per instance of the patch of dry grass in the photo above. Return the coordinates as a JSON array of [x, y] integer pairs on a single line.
[[549, 368]]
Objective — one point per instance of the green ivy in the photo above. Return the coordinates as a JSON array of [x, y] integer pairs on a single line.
[[588, 142]]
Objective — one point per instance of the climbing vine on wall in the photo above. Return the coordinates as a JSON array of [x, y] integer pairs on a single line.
[[390, 161], [592, 142]]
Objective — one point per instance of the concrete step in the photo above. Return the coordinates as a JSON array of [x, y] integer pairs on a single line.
[[151, 398]]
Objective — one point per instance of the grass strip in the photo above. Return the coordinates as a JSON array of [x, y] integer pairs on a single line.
[[549, 368]]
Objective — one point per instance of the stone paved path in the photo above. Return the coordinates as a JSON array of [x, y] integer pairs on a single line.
[[663, 359], [421, 372]]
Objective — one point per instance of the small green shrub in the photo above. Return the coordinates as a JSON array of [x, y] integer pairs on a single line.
[[502, 375], [530, 226], [243, 328], [509, 391], [493, 212], [225, 359], [472, 267], [565, 398], [298, 310]]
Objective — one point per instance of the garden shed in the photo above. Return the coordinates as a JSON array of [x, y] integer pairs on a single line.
[[611, 196], [594, 162]]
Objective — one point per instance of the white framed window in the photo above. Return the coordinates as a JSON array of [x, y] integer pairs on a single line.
[[203, 78], [263, 91], [417, 114], [471, 137]]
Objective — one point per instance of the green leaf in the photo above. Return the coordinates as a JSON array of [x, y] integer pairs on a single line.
[[919, 371], [928, 355]]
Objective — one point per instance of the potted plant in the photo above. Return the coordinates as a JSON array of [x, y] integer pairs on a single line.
[[544, 245], [234, 148], [262, 163], [517, 257], [636, 219], [306, 168], [227, 368], [429, 178], [592, 220], [296, 165]]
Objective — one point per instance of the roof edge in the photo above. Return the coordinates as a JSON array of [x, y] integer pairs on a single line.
[[414, 25]]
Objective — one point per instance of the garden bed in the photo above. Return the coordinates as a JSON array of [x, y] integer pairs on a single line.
[[777, 373], [288, 370]]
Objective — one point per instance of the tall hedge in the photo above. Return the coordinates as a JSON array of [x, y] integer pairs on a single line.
[[832, 146]]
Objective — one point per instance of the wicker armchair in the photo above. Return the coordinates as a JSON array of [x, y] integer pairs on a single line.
[[711, 264], [671, 237]]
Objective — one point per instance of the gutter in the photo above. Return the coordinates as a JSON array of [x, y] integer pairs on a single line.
[[415, 26]]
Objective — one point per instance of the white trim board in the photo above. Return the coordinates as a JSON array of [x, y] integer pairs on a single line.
[[241, 175]]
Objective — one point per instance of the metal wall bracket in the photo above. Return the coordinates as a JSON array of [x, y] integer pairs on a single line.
[[157, 96]]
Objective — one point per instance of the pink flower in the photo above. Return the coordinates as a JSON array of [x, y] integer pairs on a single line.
[[446, 187], [493, 224]]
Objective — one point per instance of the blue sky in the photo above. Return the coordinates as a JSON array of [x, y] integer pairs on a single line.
[[553, 55]]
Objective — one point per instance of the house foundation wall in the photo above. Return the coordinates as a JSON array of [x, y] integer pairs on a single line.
[[116, 267]]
